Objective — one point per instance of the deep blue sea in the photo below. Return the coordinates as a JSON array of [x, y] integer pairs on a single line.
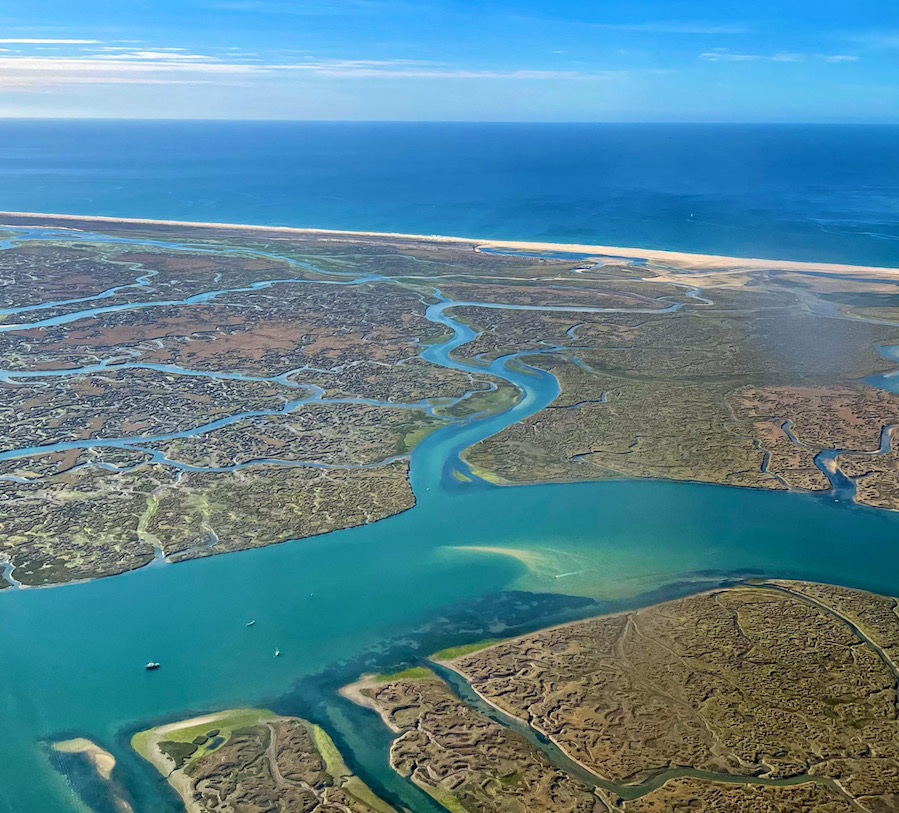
[[812, 192]]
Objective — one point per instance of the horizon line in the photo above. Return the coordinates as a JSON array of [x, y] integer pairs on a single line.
[[653, 122]]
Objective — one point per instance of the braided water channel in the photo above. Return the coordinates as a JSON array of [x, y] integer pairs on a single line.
[[377, 595]]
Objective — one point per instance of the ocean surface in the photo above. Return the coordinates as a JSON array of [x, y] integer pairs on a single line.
[[808, 192], [376, 596]]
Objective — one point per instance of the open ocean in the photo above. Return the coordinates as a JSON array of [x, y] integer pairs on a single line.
[[828, 193]]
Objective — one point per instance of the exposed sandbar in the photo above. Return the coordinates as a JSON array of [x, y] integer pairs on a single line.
[[677, 258], [101, 759]]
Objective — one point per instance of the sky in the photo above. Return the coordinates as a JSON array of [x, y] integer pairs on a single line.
[[460, 60]]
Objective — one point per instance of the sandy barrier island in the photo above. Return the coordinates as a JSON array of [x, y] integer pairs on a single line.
[[668, 258]]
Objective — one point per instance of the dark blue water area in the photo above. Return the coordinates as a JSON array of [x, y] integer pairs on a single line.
[[827, 193]]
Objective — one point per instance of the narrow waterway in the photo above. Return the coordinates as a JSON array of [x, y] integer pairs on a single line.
[[619, 790]]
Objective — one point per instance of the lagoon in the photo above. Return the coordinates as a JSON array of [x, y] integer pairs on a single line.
[[468, 556]]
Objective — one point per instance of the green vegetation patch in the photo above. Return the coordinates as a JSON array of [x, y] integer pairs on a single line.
[[412, 673], [178, 752], [490, 402], [482, 473], [411, 434], [452, 652], [178, 740], [342, 775], [447, 799], [334, 763]]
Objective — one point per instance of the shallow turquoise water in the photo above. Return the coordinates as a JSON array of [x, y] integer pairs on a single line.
[[73, 656]]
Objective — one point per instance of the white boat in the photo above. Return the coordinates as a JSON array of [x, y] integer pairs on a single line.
[[152, 665], [250, 623], [277, 653]]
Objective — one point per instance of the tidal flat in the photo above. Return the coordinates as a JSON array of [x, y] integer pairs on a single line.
[[297, 370], [658, 429], [770, 696]]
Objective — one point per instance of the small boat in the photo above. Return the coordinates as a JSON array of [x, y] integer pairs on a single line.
[[151, 666], [277, 653], [250, 623]]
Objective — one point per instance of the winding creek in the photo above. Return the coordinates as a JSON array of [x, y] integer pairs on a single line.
[[626, 791], [469, 560]]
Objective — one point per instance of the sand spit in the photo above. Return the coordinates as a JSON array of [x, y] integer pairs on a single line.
[[670, 258]]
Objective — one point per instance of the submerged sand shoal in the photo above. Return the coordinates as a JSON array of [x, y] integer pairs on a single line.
[[101, 759]]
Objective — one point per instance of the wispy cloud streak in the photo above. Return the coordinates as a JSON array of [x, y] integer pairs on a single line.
[[158, 67], [36, 41], [724, 55]]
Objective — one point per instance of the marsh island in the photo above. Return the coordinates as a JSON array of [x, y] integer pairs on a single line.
[[176, 391], [777, 696]]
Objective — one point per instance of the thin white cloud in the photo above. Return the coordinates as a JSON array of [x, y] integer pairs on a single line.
[[724, 55], [727, 56], [674, 27], [86, 64], [151, 56], [126, 48], [159, 67], [18, 72], [444, 73], [876, 39], [35, 41], [423, 70]]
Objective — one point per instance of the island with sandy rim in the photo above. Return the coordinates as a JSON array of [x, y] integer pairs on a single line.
[[772, 696], [254, 760]]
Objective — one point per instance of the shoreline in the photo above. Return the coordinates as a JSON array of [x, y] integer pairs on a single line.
[[642, 778], [146, 744], [696, 261]]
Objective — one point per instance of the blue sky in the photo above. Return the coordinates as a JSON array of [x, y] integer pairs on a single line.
[[568, 60]]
